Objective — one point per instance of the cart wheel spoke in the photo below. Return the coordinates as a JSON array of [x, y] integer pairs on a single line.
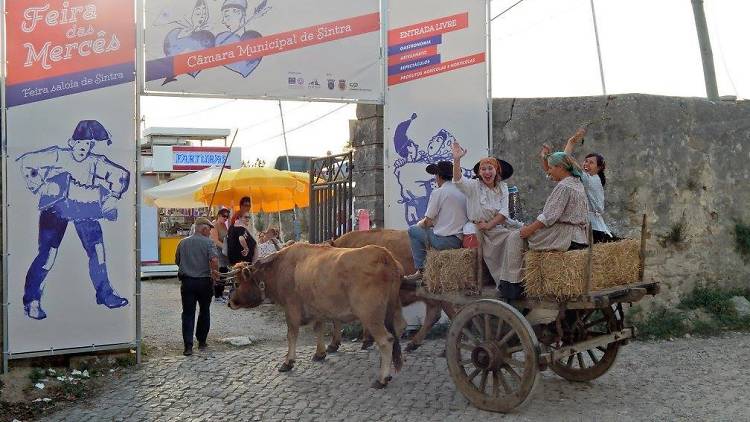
[[506, 387], [515, 362], [477, 327], [593, 323], [470, 336], [515, 349], [569, 364], [513, 373], [495, 383], [465, 346], [586, 327], [500, 325], [593, 357], [487, 329], [505, 338], [492, 336], [587, 315], [483, 381], [465, 362]]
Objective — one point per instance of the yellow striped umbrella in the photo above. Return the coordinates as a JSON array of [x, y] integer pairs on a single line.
[[271, 190]]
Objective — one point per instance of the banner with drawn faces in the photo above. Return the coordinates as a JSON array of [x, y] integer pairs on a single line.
[[437, 93], [287, 49], [71, 152]]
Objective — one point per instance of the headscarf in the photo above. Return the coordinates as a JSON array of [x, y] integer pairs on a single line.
[[560, 158]]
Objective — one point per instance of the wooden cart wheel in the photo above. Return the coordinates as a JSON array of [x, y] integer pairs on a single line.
[[493, 355], [580, 325]]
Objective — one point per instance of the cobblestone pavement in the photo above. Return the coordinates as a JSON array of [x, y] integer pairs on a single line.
[[687, 379]]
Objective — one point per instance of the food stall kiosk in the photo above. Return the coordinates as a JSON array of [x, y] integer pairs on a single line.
[[168, 154]]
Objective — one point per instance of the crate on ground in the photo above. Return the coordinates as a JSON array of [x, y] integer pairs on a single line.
[[450, 270], [562, 275]]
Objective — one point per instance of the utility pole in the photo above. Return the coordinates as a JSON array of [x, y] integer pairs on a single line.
[[707, 55], [598, 51]]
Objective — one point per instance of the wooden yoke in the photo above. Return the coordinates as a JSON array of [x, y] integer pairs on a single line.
[[642, 253], [589, 260]]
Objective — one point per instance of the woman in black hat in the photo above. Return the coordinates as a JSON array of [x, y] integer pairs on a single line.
[[487, 207]]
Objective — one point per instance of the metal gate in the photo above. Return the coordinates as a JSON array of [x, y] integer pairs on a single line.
[[331, 207]]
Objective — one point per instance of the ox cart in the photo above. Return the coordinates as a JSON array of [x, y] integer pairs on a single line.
[[495, 354]]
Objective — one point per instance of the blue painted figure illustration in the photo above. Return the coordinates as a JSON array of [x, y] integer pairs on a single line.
[[234, 18], [74, 185], [408, 168], [193, 33], [190, 34]]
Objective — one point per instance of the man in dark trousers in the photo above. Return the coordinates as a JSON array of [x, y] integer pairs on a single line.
[[198, 264]]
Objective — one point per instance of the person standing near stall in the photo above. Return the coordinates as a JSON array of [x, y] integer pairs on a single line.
[[218, 236], [198, 265]]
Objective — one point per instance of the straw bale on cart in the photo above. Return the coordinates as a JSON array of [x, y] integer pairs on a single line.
[[562, 275], [450, 270]]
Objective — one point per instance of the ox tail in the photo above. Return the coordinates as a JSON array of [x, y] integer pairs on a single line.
[[394, 319], [396, 356]]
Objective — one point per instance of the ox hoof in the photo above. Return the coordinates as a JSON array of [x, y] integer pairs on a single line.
[[379, 385], [410, 347], [319, 357], [333, 348], [366, 344], [286, 366]]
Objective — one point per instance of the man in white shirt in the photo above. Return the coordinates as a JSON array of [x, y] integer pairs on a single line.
[[445, 216]]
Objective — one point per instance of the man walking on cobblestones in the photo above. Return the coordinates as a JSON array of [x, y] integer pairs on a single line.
[[198, 264]]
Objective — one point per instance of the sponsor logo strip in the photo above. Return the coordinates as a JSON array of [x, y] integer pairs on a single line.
[[73, 83], [413, 65], [414, 45], [426, 72], [412, 55], [427, 29], [265, 46]]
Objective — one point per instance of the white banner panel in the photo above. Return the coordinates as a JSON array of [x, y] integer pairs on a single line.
[[437, 92], [287, 49], [70, 174]]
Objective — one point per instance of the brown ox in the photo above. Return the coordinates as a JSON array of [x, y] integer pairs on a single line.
[[315, 283], [397, 243]]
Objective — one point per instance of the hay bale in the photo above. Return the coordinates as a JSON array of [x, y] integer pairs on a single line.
[[561, 275], [450, 270]]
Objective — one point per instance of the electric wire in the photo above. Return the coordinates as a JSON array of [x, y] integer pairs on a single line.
[[507, 10]]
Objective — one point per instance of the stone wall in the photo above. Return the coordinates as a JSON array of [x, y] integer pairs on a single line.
[[681, 161], [367, 140]]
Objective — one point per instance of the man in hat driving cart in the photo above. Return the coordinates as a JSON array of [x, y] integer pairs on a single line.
[[74, 185], [445, 215]]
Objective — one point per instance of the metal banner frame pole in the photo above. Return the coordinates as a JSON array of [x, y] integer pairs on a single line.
[[3, 135], [139, 74], [488, 59]]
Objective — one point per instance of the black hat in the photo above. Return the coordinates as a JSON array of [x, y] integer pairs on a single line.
[[91, 130], [443, 169], [506, 170]]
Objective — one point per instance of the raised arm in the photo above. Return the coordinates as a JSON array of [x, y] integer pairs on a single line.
[[545, 151], [580, 133], [458, 153]]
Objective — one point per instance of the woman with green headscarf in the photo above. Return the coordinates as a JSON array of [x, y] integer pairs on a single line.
[[561, 226]]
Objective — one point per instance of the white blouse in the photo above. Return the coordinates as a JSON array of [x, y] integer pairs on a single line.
[[595, 195]]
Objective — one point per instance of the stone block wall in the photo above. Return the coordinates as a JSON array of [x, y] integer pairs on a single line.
[[681, 161], [684, 162], [366, 135]]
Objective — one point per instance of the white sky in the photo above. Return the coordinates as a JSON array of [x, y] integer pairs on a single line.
[[540, 48]]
